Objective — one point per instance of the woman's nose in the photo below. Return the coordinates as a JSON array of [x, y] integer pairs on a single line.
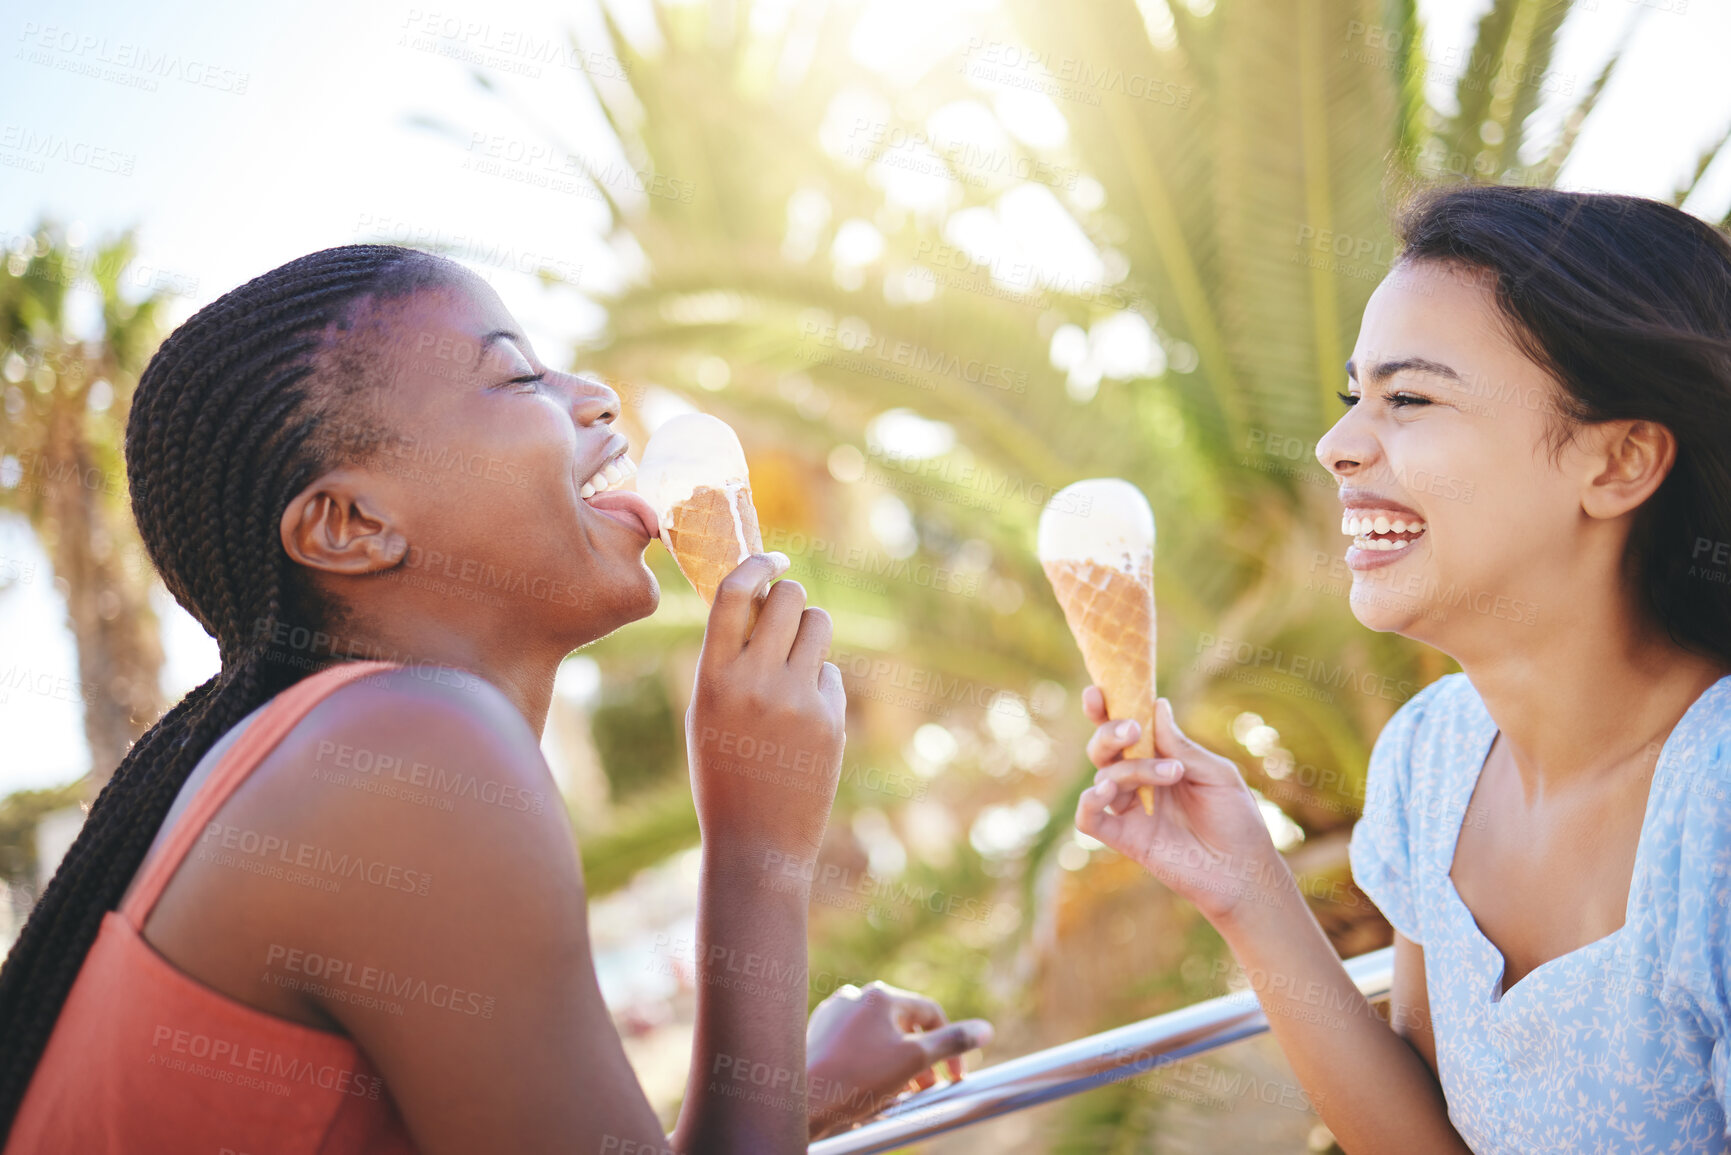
[[1343, 449], [593, 402]]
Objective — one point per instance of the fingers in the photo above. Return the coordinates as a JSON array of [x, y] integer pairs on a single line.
[[772, 638], [913, 1012], [1104, 809], [829, 685], [1141, 772], [1093, 816], [1168, 738], [811, 643], [1094, 704], [1111, 740], [1201, 765], [953, 1041], [937, 1039], [1113, 804], [729, 617]]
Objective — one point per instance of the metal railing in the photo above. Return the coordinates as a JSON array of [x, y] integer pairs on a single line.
[[1071, 1068]]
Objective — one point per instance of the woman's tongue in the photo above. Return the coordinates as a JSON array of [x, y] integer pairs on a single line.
[[628, 509]]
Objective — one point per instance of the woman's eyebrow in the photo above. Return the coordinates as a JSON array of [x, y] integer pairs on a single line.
[[498, 335], [1382, 371]]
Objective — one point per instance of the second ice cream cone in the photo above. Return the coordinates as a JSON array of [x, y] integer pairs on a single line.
[[1111, 614], [1097, 548]]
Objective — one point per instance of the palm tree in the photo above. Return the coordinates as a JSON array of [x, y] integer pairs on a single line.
[[1230, 168], [61, 433]]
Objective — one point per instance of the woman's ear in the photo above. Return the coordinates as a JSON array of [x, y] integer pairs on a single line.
[[338, 524], [1627, 461]]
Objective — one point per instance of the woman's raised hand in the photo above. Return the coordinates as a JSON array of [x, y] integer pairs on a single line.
[[1206, 838], [766, 724]]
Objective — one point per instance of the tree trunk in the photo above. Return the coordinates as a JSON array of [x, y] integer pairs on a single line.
[[106, 585]]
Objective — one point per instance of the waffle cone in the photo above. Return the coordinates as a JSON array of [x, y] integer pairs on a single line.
[[1111, 614], [709, 536]]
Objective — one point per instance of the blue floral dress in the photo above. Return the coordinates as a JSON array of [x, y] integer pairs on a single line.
[[1623, 1045]]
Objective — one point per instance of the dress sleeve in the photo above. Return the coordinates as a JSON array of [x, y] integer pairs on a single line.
[[1381, 851]]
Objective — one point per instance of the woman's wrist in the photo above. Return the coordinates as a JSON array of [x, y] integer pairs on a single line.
[[1266, 910], [760, 872]]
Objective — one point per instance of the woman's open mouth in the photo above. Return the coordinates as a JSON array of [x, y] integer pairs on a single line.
[[613, 471], [605, 492], [1382, 532]]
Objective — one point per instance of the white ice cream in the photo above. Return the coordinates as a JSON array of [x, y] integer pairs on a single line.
[[686, 452], [1104, 520]]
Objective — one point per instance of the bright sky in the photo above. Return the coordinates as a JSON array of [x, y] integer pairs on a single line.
[[276, 131]]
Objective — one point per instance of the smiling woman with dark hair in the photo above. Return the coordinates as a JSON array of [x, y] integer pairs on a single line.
[[334, 905], [1549, 831]]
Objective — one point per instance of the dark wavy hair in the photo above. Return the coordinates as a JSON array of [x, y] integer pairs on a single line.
[[1626, 302], [245, 404]]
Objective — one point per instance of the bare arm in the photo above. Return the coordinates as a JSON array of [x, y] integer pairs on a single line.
[[746, 1090], [1207, 841], [1409, 1002], [765, 734], [1376, 1090]]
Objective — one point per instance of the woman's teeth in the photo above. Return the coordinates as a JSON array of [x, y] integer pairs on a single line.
[[1369, 530], [607, 476]]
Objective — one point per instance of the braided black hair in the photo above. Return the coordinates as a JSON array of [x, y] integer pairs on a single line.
[[243, 406]]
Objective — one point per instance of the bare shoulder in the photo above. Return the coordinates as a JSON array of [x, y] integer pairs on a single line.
[[400, 870], [432, 761], [431, 738], [406, 817], [416, 708]]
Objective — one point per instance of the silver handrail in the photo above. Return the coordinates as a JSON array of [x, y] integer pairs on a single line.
[[1070, 1068]]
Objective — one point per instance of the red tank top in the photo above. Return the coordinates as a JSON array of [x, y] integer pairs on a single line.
[[146, 1060]]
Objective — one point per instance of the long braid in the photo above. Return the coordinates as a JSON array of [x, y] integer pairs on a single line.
[[229, 421]]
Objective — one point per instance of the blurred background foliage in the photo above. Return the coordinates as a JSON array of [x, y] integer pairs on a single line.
[[62, 426], [930, 281]]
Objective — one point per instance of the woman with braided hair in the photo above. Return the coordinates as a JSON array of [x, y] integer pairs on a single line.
[[330, 902]]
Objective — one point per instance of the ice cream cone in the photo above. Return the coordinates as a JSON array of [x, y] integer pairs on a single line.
[[1097, 548], [711, 532], [694, 474]]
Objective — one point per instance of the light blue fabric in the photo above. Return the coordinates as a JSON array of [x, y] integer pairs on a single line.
[[1621, 1046]]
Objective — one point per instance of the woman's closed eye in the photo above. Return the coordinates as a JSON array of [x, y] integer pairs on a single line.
[[1395, 400], [522, 370], [522, 373]]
